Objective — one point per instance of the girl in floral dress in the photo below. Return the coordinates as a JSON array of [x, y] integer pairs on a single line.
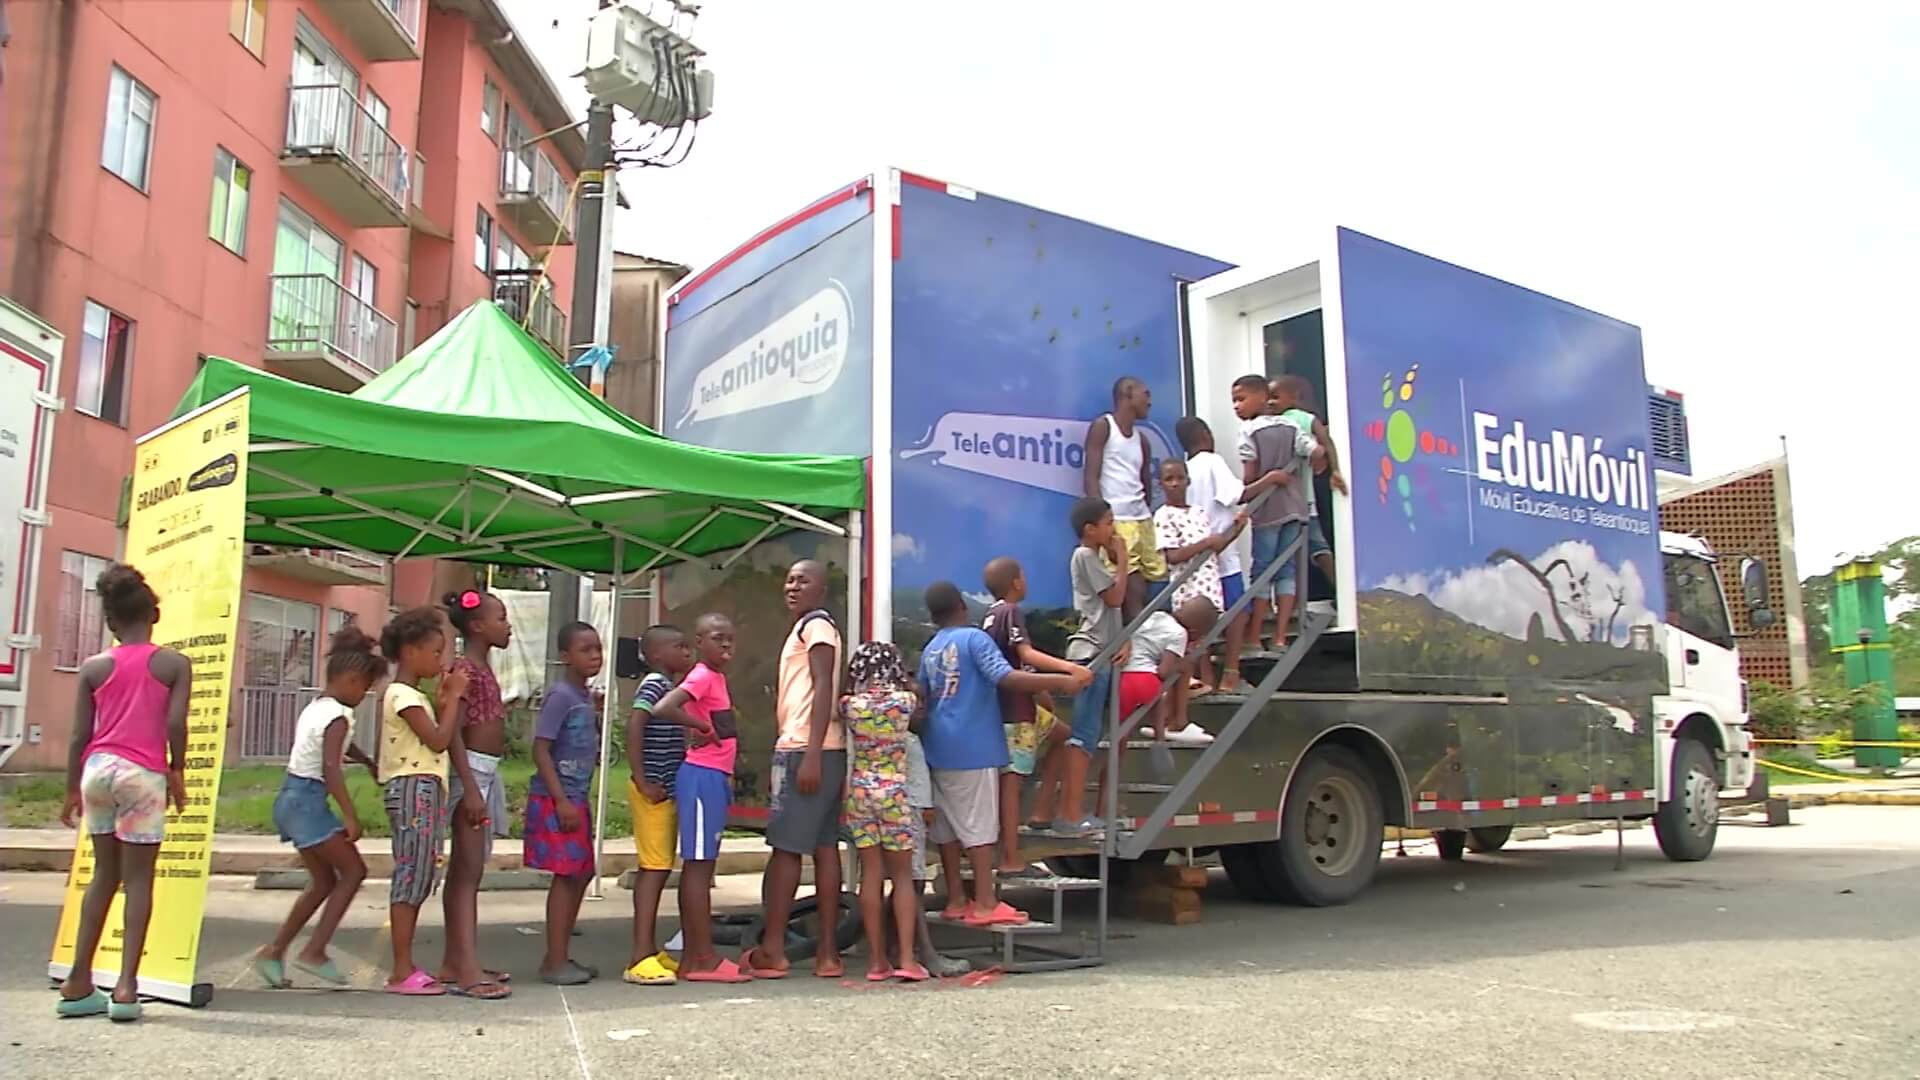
[[878, 710]]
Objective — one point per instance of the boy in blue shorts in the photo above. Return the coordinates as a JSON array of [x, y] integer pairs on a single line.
[[703, 790], [1270, 444], [1098, 572]]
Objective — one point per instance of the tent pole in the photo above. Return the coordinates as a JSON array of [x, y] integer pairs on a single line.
[[607, 706], [856, 549]]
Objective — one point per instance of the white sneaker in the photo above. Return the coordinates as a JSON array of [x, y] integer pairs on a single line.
[[1191, 735]]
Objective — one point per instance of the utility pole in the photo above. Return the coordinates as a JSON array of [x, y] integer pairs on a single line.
[[592, 234]]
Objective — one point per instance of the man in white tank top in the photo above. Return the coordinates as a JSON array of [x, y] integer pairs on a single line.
[[1119, 470]]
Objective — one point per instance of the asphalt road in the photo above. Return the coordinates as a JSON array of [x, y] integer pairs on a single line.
[[1792, 951]]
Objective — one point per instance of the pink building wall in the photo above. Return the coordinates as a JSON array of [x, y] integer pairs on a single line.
[[71, 231]]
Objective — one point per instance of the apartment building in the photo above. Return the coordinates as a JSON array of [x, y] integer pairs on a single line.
[[306, 185]]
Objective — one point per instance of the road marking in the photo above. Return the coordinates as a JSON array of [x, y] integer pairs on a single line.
[[1656, 1021], [579, 1051], [623, 1034]]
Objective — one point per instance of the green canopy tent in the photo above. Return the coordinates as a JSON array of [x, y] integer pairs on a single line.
[[477, 446]]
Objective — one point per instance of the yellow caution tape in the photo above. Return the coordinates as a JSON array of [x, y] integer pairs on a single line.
[[1821, 775]]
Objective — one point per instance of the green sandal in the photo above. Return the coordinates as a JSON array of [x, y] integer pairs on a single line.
[[324, 971], [271, 972], [93, 1004], [123, 1012]]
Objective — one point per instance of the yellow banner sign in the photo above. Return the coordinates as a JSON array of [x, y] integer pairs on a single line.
[[184, 532]]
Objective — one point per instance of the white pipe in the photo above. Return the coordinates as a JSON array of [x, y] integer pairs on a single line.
[[608, 704]]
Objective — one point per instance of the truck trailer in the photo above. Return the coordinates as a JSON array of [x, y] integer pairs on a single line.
[[1495, 646], [29, 389]]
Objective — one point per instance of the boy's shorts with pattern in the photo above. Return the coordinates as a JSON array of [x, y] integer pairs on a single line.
[[878, 815], [550, 845], [124, 799], [416, 809], [1027, 743], [1143, 549]]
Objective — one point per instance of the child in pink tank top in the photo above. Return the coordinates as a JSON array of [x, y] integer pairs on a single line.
[[131, 720]]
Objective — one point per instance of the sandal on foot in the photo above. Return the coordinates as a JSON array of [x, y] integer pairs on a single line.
[[649, 972], [667, 961], [324, 971], [953, 914], [592, 971], [94, 1004], [501, 977], [484, 990], [880, 975], [271, 972], [123, 1012], [418, 984], [570, 975], [916, 973], [1003, 914], [725, 972], [754, 970], [832, 969]]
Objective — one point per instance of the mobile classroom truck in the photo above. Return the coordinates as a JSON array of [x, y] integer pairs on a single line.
[[1496, 647]]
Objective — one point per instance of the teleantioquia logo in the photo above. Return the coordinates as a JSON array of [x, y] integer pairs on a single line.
[[1402, 437]]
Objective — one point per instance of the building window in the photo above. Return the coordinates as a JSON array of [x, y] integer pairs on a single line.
[[82, 626], [106, 354], [281, 635], [129, 137], [247, 22], [490, 109], [227, 220], [507, 254], [482, 239]]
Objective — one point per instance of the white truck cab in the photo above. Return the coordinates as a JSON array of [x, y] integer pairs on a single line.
[[1701, 722]]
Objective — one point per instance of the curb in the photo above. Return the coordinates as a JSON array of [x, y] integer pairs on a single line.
[[379, 864], [1855, 798]]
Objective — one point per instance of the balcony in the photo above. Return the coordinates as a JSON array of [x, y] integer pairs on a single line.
[[319, 566], [417, 215], [342, 155], [513, 290], [382, 29], [321, 334], [533, 196]]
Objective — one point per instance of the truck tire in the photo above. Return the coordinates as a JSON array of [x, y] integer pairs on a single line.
[[1688, 823], [1331, 827], [1488, 839], [1452, 844], [1243, 870]]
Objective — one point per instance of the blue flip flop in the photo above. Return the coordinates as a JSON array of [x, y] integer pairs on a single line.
[[94, 1004]]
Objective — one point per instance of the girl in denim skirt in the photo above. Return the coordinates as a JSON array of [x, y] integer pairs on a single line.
[[322, 742]]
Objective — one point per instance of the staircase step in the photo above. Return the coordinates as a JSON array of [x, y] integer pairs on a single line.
[[1050, 883], [1135, 789], [1033, 927]]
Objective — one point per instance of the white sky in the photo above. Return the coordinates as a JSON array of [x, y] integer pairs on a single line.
[[1742, 181]]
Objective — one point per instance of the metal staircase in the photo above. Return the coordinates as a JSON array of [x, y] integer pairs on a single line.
[[1038, 945]]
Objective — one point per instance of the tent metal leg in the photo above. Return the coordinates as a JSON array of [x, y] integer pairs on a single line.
[[607, 705]]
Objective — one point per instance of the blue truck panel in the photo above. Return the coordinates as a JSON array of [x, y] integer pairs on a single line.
[[1010, 326], [1504, 519]]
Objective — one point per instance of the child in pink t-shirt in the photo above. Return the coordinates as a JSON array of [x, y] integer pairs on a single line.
[[702, 791]]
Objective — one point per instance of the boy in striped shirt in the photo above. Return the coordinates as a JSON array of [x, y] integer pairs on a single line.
[[655, 748]]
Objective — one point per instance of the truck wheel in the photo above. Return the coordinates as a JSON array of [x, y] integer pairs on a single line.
[[1488, 839], [1243, 869], [1452, 844], [1331, 826], [1687, 824]]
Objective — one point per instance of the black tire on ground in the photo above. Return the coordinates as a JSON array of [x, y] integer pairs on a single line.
[[1331, 827], [803, 927], [1243, 870], [1488, 839], [1451, 843], [1689, 821]]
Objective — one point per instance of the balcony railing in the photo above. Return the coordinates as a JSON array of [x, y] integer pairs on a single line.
[[322, 566], [329, 121], [312, 313], [514, 290], [534, 195], [269, 714]]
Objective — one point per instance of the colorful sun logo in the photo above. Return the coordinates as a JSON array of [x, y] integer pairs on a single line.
[[1403, 437]]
